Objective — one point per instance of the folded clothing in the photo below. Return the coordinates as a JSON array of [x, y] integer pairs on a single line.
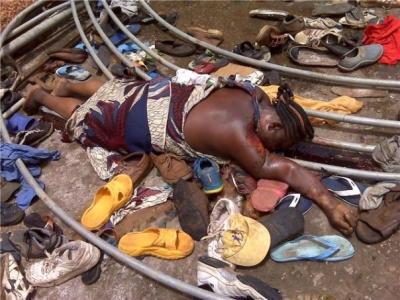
[[32, 157], [387, 154], [386, 34]]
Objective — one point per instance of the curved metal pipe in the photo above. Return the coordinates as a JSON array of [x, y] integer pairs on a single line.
[[371, 175], [344, 145], [110, 45], [353, 119], [36, 31], [106, 247], [19, 18], [346, 80], [103, 245], [36, 19], [136, 40], [89, 47]]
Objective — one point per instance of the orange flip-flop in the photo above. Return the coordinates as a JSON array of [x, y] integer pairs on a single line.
[[108, 199], [164, 243]]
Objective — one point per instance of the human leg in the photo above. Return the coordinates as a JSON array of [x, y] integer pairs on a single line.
[[65, 88], [36, 96]]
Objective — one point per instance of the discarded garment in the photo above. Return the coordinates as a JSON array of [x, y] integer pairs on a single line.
[[386, 34], [32, 157], [387, 154], [343, 105], [373, 196], [153, 191]]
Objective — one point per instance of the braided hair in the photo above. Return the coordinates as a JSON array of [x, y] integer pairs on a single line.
[[294, 119]]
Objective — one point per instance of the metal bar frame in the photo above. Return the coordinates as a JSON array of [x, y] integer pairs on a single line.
[[346, 80], [107, 248]]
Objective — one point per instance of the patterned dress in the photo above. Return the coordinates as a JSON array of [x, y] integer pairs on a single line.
[[129, 115]]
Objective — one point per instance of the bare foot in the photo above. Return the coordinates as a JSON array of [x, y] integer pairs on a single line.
[[31, 106], [61, 88]]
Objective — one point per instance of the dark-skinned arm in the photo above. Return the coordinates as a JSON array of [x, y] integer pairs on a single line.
[[251, 155]]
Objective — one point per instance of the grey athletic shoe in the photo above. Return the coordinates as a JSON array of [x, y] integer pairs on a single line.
[[66, 262], [221, 278]]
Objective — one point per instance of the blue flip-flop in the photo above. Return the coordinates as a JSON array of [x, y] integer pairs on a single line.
[[346, 249], [346, 189], [315, 248], [119, 37], [128, 47], [207, 171], [295, 200], [73, 72]]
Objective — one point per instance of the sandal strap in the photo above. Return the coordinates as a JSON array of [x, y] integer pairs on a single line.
[[167, 238]]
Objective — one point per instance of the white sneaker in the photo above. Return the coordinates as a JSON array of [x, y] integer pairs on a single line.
[[224, 281], [219, 217], [13, 284], [64, 263]]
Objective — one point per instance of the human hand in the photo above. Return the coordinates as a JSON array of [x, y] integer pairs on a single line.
[[343, 218]]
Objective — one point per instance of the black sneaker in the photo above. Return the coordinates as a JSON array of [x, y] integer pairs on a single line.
[[34, 135], [11, 214]]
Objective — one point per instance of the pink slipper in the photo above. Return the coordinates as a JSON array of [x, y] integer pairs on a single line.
[[267, 194]]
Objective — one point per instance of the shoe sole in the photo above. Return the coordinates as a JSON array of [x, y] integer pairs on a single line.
[[94, 257], [254, 287]]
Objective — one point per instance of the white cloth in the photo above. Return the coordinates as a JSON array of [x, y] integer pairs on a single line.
[[187, 77], [373, 195]]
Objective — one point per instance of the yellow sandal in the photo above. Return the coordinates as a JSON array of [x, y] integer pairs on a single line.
[[164, 243], [108, 199]]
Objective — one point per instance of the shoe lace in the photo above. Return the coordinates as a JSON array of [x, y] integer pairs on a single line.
[[51, 262]]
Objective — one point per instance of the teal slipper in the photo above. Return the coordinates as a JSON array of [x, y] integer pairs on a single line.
[[308, 247]]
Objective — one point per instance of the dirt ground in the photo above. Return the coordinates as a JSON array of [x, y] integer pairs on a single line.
[[373, 273]]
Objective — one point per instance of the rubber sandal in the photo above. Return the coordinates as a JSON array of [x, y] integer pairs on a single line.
[[308, 56], [280, 229], [306, 247], [346, 249], [128, 47], [175, 48], [379, 224], [159, 242], [345, 188], [119, 37], [267, 194], [73, 72], [269, 14], [109, 198], [296, 201]]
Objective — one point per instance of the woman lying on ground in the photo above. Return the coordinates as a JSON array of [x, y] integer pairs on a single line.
[[236, 122]]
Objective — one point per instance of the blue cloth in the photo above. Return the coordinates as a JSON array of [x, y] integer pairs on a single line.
[[32, 157], [19, 122]]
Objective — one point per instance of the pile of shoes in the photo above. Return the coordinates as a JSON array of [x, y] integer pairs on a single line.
[[323, 40], [41, 256]]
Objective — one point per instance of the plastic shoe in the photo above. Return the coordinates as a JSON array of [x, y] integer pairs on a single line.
[[108, 199], [224, 281], [207, 171], [66, 262], [163, 243], [316, 248]]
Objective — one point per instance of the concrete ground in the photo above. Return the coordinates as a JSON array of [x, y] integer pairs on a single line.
[[373, 273]]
